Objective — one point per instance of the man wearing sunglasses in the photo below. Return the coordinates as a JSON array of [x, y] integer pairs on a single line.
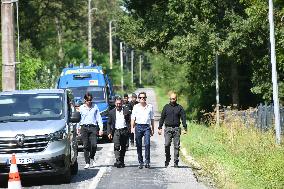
[[142, 123], [90, 119], [171, 115]]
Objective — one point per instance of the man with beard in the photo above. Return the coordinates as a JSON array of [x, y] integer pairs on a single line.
[[117, 128]]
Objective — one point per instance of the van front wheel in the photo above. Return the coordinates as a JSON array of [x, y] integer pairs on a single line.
[[66, 178], [74, 168]]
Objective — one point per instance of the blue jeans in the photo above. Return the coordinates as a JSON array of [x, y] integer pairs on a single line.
[[140, 131]]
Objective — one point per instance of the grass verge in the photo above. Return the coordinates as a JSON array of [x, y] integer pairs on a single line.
[[236, 157], [162, 97]]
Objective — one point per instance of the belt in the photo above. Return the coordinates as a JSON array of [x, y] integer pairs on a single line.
[[124, 128], [145, 125], [89, 125], [173, 126]]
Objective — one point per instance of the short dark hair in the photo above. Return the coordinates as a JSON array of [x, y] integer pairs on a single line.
[[88, 96], [118, 98], [125, 95], [142, 93], [134, 95]]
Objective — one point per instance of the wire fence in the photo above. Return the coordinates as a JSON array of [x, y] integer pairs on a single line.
[[261, 117]]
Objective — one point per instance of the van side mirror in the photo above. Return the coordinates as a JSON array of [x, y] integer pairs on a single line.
[[75, 117]]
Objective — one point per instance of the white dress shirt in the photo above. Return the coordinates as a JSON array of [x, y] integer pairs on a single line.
[[120, 121], [91, 116], [142, 115]]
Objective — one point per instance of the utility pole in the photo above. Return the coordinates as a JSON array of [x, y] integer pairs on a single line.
[[8, 46], [121, 64], [132, 59], [140, 69], [217, 92], [90, 9], [274, 75], [110, 44]]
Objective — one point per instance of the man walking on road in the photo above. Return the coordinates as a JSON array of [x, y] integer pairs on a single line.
[[141, 119], [118, 129], [133, 102], [127, 109], [171, 115], [90, 119]]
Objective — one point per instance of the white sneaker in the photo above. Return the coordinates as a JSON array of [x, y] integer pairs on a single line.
[[87, 166], [93, 164]]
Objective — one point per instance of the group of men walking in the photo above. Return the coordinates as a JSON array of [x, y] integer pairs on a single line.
[[129, 120]]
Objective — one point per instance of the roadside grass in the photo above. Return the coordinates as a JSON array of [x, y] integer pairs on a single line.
[[233, 156], [162, 97], [236, 157]]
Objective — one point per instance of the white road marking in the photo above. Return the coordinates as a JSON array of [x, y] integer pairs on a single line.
[[102, 171]]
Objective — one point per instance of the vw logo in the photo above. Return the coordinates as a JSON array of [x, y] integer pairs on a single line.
[[20, 139]]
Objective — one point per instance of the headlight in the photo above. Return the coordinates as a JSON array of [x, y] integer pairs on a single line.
[[104, 113], [58, 135]]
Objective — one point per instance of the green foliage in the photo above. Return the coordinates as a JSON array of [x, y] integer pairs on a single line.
[[185, 35], [31, 68], [236, 157], [57, 34]]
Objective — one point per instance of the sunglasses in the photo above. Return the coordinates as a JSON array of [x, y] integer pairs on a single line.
[[142, 97], [172, 98]]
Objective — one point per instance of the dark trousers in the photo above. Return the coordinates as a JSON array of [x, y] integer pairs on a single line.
[[172, 133], [89, 138], [130, 137], [120, 138], [143, 130]]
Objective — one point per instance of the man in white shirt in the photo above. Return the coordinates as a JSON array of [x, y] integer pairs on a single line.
[[117, 128], [90, 120], [141, 119]]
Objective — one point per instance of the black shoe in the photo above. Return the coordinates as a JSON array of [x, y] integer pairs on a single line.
[[122, 165], [140, 166], [176, 164], [115, 164], [147, 165], [166, 163]]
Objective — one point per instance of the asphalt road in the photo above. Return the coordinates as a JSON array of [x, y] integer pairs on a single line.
[[105, 176]]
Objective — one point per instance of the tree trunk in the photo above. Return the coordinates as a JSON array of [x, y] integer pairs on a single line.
[[59, 38]]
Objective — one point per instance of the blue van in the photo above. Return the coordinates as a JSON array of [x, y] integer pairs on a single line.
[[82, 79]]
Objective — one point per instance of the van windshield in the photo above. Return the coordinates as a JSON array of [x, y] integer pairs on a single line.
[[26, 107], [98, 93]]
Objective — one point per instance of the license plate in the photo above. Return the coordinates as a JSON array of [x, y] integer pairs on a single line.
[[22, 161]]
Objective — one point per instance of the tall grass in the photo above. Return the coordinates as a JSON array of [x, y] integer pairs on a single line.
[[237, 157], [162, 97]]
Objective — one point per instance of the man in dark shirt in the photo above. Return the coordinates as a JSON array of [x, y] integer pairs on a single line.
[[133, 102], [171, 115], [127, 108]]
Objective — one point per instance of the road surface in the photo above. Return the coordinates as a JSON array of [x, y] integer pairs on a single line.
[[106, 176]]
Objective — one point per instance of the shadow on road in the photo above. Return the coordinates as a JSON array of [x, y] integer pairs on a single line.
[[45, 181]]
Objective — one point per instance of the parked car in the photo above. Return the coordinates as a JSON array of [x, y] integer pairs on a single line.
[[39, 127]]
